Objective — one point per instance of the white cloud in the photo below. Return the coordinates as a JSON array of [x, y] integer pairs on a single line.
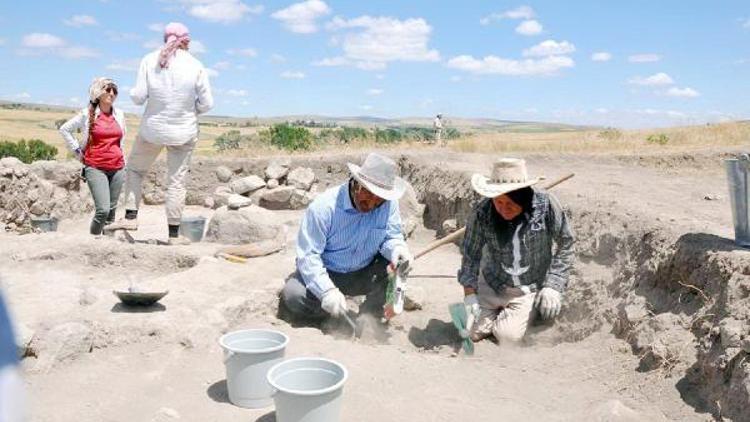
[[380, 77], [745, 23], [220, 11], [493, 65], [657, 79], [212, 72], [301, 17], [277, 58], [156, 27], [81, 20], [549, 48], [42, 40], [644, 58], [77, 52], [152, 44], [601, 56], [601, 110], [197, 47], [36, 44], [292, 75], [365, 107], [222, 65], [456, 78], [2, 41], [682, 92], [530, 27], [122, 36], [374, 91], [124, 65], [237, 93], [332, 62], [522, 12], [245, 52], [74, 100], [371, 42], [21, 96], [531, 110]]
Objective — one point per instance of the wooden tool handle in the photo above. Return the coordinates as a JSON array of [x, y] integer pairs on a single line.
[[458, 233]]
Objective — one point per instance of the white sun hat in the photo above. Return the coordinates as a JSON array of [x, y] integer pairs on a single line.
[[508, 174], [378, 175]]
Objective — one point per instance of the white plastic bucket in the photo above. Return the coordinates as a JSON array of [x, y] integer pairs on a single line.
[[248, 354], [307, 389]]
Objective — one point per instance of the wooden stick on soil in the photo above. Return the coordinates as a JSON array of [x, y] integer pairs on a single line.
[[458, 233]]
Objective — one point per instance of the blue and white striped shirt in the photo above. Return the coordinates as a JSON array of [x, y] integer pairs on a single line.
[[335, 236]]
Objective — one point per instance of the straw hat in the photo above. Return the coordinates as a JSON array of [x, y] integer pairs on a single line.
[[508, 174], [378, 175]]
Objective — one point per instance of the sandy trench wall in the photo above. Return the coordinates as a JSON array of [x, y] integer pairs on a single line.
[[681, 300]]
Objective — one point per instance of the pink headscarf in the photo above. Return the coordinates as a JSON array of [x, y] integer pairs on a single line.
[[176, 35]]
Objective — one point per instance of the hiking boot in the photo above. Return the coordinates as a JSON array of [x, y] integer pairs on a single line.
[[178, 241], [122, 224]]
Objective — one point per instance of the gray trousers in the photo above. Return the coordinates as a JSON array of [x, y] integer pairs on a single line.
[[105, 186], [370, 281]]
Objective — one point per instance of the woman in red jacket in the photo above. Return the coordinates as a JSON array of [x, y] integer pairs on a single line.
[[100, 149]]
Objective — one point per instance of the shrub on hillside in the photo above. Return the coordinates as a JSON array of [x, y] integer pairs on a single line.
[[658, 138], [228, 141], [610, 134], [28, 151], [387, 136], [289, 137]]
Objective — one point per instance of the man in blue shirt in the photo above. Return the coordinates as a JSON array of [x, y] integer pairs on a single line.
[[347, 239]]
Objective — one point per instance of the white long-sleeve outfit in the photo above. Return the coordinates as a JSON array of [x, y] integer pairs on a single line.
[[81, 121], [174, 97]]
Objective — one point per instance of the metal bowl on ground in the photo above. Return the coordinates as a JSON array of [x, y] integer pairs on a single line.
[[132, 298]]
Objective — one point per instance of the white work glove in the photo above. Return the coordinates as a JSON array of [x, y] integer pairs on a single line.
[[401, 253], [548, 302], [471, 305], [334, 302]]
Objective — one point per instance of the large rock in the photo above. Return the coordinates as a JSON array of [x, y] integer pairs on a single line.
[[63, 342], [221, 196], [277, 169], [246, 225], [277, 199], [411, 210], [236, 202], [65, 174], [272, 183], [300, 199], [223, 174], [301, 178], [247, 184]]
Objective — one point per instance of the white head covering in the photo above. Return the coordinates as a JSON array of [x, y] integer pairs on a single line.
[[98, 87]]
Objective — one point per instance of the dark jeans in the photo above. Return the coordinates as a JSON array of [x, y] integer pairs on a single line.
[[370, 281], [105, 188]]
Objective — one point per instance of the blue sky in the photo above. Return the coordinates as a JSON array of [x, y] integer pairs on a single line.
[[632, 63]]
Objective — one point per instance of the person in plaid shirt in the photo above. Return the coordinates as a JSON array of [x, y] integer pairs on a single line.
[[510, 269]]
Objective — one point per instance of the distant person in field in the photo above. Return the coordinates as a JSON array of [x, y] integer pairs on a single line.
[[437, 126], [348, 237], [175, 88], [100, 149], [523, 240]]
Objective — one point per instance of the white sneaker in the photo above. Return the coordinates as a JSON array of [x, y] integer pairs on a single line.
[[122, 224]]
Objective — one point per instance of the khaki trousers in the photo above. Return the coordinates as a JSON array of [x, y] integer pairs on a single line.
[[505, 315], [139, 162]]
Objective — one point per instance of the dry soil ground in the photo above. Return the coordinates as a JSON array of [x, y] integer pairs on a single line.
[[166, 364]]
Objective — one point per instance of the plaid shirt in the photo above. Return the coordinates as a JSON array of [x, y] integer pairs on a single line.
[[545, 224]]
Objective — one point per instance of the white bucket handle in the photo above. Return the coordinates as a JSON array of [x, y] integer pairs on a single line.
[[228, 355]]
